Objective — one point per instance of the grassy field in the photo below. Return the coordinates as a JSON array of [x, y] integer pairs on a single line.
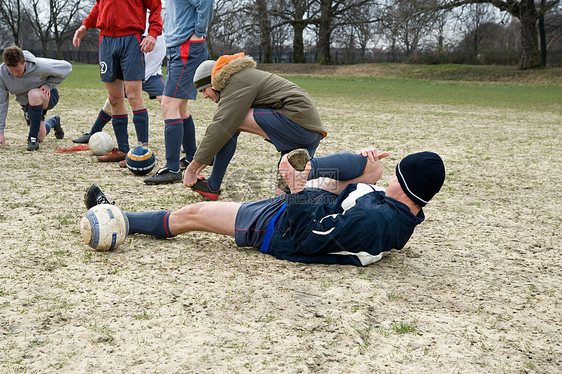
[[476, 290]]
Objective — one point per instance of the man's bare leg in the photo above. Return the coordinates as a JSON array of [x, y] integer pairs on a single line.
[[116, 96], [134, 94], [250, 125], [209, 216], [174, 108]]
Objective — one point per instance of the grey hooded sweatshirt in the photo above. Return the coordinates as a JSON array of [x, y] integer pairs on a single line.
[[38, 71]]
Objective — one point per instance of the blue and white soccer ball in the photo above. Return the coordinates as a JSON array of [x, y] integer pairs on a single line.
[[140, 160], [104, 227]]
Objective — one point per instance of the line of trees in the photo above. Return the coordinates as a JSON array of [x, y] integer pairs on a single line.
[[331, 31], [40, 20]]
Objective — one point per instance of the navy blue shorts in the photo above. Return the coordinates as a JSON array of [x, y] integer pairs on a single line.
[[54, 99], [252, 219], [284, 133], [121, 58], [183, 60], [154, 86]]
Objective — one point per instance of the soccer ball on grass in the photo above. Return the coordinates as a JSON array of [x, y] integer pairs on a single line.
[[104, 227], [100, 143], [140, 160]]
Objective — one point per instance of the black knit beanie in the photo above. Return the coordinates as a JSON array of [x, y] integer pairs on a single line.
[[421, 176]]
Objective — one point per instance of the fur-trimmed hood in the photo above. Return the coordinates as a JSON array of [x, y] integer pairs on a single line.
[[220, 78]]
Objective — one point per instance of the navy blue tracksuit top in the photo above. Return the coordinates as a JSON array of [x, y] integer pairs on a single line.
[[354, 227]]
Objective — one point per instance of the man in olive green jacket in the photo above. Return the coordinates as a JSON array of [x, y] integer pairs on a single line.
[[253, 101]]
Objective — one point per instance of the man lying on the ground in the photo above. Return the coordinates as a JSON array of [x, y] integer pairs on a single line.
[[324, 221]]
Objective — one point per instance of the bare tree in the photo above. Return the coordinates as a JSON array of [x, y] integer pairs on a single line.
[[331, 16], [364, 21], [440, 25], [358, 30], [328, 13], [412, 27], [404, 26], [227, 30], [527, 13], [298, 14], [265, 31], [473, 21], [42, 23], [11, 11], [281, 37], [553, 28], [64, 16]]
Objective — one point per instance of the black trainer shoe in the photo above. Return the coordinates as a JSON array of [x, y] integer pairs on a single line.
[[163, 176], [59, 132], [184, 163], [84, 139], [203, 188], [94, 196], [32, 144]]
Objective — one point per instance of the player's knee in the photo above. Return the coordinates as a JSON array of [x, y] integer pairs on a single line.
[[169, 107], [184, 217], [35, 96], [114, 100]]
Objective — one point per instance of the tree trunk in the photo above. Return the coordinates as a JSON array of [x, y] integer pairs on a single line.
[[44, 48], [11, 12], [298, 43], [265, 28], [530, 57], [209, 41], [325, 32], [298, 29], [542, 35], [60, 56]]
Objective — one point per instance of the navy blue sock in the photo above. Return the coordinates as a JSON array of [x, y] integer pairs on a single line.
[[173, 135], [222, 159], [120, 122], [49, 124], [100, 122], [188, 142], [140, 119], [35, 117], [150, 223], [339, 166]]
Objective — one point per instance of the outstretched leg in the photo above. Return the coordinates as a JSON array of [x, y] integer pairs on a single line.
[[215, 217]]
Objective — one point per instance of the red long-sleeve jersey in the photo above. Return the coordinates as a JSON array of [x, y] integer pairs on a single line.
[[117, 18]]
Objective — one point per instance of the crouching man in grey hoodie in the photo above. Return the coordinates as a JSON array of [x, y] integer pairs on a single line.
[[33, 81]]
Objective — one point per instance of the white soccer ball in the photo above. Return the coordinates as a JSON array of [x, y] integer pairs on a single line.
[[100, 143], [104, 227]]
